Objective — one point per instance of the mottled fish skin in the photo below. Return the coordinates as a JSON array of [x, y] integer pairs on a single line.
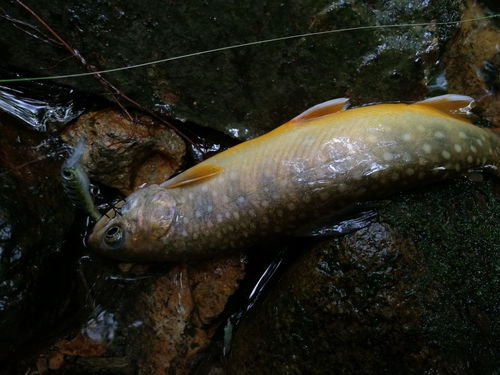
[[299, 172]]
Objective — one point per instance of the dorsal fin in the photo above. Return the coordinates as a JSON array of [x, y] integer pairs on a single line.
[[458, 106], [193, 175], [323, 109]]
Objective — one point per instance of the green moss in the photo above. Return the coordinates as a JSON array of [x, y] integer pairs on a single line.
[[455, 227]]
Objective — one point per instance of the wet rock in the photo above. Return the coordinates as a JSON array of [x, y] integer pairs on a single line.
[[125, 154], [246, 91], [147, 319], [472, 62], [416, 292], [179, 314], [36, 276]]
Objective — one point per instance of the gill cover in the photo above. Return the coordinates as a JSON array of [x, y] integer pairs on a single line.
[[134, 229]]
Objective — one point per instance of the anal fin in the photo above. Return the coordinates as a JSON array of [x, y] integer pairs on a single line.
[[335, 225]]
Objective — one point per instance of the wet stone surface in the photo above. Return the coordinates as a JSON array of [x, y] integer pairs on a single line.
[[125, 154], [247, 91], [472, 62], [36, 276], [414, 292]]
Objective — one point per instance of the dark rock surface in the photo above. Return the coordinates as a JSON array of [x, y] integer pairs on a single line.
[[36, 274], [246, 91], [415, 292]]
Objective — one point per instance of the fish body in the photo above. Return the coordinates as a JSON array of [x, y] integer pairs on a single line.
[[76, 183], [322, 162]]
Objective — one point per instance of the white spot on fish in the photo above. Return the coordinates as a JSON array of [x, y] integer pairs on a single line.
[[407, 137], [421, 128], [470, 159], [236, 214], [241, 200], [264, 203], [215, 193], [462, 134], [204, 188], [473, 149], [197, 214], [219, 218], [410, 171], [446, 154], [439, 134], [406, 156], [422, 161], [184, 233], [228, 214], [191, 195], [427, 148], [291, 206], [306, 198], [225, 199], [388, 156], [457, 147], [210, 208], [479, 142]]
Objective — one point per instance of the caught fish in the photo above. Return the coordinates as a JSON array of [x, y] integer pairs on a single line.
[[323, 161], [76, 183]]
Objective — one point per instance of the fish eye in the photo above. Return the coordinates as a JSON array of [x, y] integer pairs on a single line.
[[66, 173], [114, 237]]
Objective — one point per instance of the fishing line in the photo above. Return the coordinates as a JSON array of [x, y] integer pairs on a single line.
[[206, 52]]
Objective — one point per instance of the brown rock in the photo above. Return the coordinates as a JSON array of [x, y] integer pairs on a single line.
[[124, 154], [81, 346], [472, 62], [56, 361], [178, 315]]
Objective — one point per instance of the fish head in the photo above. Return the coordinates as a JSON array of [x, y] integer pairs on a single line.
[[134, 230]]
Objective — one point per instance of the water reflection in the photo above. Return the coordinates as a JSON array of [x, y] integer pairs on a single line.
[[38, 104]]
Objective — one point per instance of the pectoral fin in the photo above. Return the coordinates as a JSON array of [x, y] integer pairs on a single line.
[[193, 175]]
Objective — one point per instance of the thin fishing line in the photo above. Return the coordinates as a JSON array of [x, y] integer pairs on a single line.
[[206, 52]]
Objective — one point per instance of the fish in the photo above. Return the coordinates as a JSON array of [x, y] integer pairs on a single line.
[[76, 183], [323, 161]]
